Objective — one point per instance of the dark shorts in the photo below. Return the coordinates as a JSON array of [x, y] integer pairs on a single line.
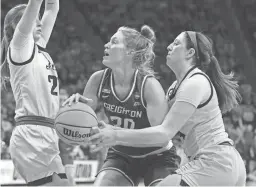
[[152, 168]]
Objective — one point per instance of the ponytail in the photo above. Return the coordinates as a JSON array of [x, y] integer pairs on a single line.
[[225, 86], [5, 72], [11, 20]]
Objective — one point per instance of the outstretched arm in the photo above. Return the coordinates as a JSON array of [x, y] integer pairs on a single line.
[[188, 98], [27, 23], [48, 19], [22, 44]]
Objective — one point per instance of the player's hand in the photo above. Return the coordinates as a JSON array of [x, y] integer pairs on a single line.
[[77, 98], [105, 137]]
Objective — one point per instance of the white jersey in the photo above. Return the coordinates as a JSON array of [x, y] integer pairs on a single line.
[[35, 84], [205, 128]]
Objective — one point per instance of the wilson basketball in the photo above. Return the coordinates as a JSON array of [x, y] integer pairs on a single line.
[[73, 123]]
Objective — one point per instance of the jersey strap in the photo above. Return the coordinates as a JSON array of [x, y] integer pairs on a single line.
[[141, 80], [104, 77], [35, 120], [209, 99]]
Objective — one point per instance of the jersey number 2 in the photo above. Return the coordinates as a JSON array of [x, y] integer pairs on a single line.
[[54, 80]]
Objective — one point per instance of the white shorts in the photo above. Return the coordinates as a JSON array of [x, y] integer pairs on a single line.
[[35, 153], [220, 165]]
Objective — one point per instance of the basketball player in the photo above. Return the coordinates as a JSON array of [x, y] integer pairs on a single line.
[[34, 81], [132, 99], [197, 100]]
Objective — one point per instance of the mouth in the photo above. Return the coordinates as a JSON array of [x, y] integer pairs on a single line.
[[106, 54], [39, 31]]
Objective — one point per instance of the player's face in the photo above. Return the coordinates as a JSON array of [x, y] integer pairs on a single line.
[[37, 30], [114, 53], [176, 51]]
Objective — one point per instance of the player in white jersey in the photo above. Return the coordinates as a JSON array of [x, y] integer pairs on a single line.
[[197, 100], [34, 81]]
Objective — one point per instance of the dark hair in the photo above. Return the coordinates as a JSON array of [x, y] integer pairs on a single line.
[[143, 45], [10, 22], [225, 85]]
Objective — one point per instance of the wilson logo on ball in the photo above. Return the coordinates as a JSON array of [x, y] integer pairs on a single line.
[[74, 134]]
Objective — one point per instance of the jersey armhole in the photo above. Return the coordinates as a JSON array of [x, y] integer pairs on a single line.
[[142, 87], [22, 63], [102, 82], [209, 99]]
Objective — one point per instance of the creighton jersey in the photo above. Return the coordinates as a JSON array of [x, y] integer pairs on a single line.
[[35, 85], [129, 113]]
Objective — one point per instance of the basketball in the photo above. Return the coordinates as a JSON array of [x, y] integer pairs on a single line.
[[73, 123]]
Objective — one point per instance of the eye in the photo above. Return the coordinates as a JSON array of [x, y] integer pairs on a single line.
[[114, 42]]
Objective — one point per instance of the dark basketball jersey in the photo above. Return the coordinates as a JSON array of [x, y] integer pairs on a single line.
[[129, 113]]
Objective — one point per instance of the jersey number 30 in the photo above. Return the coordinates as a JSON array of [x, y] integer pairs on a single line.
[[124, 123], [54, 80]]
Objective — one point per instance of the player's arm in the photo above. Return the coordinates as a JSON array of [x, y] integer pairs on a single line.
[[22, 44], [187, 99], [27, 23], [157, 106], [90, 92], [48, 19], [91, 89]]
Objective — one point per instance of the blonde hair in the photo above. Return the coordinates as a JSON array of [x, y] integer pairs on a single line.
[[142, 43]]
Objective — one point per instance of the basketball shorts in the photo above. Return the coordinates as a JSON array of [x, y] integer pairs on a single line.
[[152, 168], [219, 165], [34, 151]]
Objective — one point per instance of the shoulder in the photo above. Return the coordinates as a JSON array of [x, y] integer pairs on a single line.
[[197, 81], [153, 90], [96, 76], [152, 83], [194, 90]]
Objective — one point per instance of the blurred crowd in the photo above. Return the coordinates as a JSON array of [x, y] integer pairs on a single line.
[[76, 57]]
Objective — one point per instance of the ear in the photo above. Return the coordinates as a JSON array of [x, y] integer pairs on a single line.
[[190, 53]]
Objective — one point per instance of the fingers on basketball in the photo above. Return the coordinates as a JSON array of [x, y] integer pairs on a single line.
[[102, 124], [72, 99], [94, 130], [85, 100]]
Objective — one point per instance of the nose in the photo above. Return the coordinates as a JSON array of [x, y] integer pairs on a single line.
[[169, 48], [38, 23], [106, 45]]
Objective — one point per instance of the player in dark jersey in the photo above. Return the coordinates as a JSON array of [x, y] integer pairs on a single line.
[[132, 99], [197, 100]]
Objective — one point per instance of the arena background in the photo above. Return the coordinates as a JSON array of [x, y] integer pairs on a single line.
[[77, 44]]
